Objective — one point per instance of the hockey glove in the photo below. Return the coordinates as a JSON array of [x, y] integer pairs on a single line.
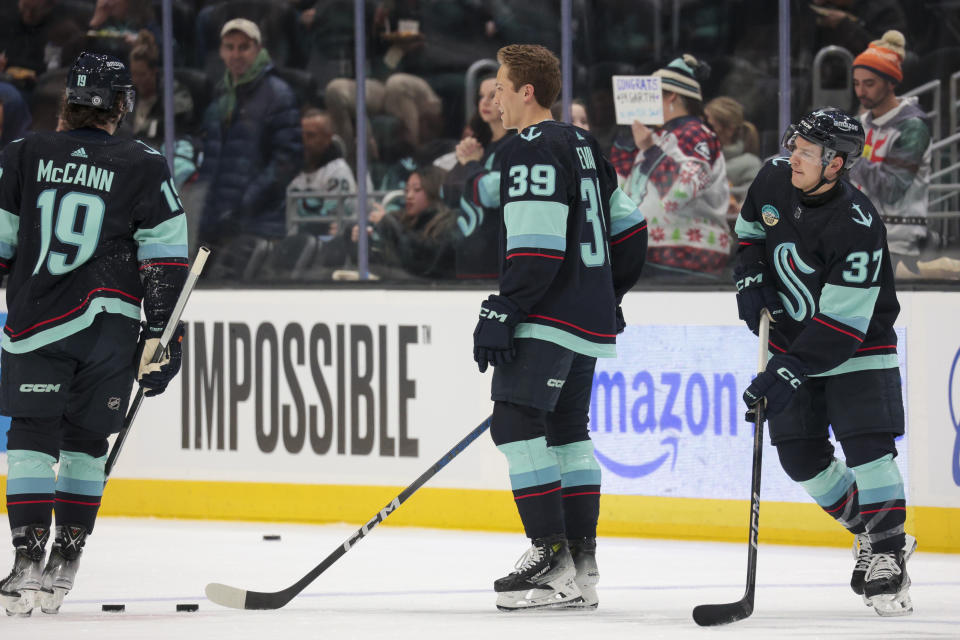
[[493, 337], [155, 376], [756, 292], [778, 382]]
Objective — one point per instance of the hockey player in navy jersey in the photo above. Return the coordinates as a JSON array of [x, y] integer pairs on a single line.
[[91, 228], [572, 244], [813, 251]]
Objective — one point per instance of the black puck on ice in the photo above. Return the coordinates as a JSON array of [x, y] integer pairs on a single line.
[[113, 608], [187, 607], [271, 536]]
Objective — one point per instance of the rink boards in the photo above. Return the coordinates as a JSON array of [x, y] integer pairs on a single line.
[[319, 406]]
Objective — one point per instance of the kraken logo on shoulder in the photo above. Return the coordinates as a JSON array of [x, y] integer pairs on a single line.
[[800, 303], [866, 219], [531, 134], [769, 214]]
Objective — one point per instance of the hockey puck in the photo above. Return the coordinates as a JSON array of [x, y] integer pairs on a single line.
[[113, 608], [271, 536], [187, 607]]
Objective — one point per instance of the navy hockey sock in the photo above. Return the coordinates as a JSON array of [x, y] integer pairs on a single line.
[[79, 488], [882, 503], [535, 479], [30, 486], [835, 490], [580, 480]]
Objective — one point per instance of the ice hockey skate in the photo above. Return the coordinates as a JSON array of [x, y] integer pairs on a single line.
[[61, 569], [887, 585], [19, 590], [584, 554], [544, 577]]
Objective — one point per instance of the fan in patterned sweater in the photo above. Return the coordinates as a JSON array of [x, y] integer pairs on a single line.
[[683, 161]]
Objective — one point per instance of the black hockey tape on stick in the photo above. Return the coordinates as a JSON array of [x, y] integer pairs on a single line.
[[195, 270], [710, 615], [237, 598]]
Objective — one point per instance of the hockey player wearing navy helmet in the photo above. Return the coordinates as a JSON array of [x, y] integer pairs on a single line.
[[813, 252], [92, 232]]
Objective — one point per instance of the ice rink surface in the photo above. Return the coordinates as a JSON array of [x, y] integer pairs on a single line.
[[419, 583]]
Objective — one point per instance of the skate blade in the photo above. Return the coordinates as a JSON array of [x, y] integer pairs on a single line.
[[21, 606], [589, 598], [551, 596], [892, 605], [50, 601]]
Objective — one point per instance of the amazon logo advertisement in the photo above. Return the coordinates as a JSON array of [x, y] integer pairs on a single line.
[[666, 415]]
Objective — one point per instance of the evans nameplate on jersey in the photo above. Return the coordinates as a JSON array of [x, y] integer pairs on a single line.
[[86, 175]]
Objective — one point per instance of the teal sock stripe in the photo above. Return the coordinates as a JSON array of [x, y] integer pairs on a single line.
[[531, 463], [578, 465], [81, 473], [29, 472], [879, 481], [828, 486]]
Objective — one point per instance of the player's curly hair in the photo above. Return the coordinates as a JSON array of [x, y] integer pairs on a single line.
[[534, 65], [77, 116]]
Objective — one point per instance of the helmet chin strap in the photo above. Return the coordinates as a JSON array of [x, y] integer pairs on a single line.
[[823, 179]]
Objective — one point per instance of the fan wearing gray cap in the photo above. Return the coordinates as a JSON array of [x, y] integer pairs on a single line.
[[253, 143], [683, 161]]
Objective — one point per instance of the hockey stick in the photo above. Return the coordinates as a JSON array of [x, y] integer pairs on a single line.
[[235, 598], [709, 615], [165, 337]]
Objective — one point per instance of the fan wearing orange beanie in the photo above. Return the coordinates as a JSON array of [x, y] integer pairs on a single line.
[[895, 168]]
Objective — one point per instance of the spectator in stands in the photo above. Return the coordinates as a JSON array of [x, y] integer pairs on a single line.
[[578, 113], [14, 114], [740, 139], [324, 169], [253, 144], [418, 241], [471, 189], [852, 24], [146, 121], [122, 20], [32, 34], [683, 161], [895, 169], [404, 96]]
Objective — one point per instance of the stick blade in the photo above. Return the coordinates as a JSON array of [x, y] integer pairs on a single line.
[[711, 615], [226, 596]]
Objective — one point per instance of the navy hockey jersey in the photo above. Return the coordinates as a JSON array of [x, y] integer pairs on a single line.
[[829, 259], [574, 242], [89, 224]]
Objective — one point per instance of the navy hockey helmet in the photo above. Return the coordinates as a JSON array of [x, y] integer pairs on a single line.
[[95, 80], [839, 133]]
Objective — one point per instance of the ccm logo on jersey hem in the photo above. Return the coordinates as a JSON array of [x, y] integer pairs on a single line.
[[39, 388]]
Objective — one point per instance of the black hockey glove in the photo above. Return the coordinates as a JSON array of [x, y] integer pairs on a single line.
[[779, 381], [493, 337], [756, 292], [155, 376]]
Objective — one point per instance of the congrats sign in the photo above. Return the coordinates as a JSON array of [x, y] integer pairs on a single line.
[[638, 98]]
